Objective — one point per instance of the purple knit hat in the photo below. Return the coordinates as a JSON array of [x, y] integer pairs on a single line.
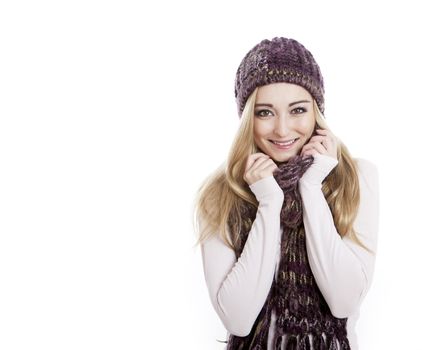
[[278, 60]]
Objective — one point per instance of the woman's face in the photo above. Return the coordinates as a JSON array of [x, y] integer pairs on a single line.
[[283, 112]]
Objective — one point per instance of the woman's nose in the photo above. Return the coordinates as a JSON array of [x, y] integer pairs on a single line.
[[281, 126]]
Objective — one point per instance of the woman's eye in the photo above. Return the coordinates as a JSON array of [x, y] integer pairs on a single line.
[[303, 110], [262, 113]]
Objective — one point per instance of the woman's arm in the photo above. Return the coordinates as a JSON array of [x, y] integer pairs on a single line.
[[238, 289], [342, 269]]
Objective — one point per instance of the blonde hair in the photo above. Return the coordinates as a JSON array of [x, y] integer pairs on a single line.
[[225, 189]]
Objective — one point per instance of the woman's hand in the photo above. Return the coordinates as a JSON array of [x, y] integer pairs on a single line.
[[324, 143], [258, 166]]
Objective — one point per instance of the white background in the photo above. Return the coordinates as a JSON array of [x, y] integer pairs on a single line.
[[113, 112]]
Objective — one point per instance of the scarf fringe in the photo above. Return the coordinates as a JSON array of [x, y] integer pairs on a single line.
[[291, 343], [304, 343], [344, 344], [318, 342], [331, 343], [278, 340], [297, 342]]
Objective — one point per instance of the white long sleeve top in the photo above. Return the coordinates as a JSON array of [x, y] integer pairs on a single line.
[[342, 269]]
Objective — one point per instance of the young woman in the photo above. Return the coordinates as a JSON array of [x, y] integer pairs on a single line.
[[288, 224]]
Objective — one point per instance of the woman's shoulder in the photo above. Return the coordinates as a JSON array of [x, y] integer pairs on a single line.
[[368, 171], [364, 162], [365, 165]]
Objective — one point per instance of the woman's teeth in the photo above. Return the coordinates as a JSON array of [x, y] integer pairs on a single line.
[[284, 143]]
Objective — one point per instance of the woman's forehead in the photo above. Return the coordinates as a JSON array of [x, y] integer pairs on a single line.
[[282, 92]]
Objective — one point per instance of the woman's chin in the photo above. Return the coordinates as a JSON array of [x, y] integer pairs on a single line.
[[284, 157], [278, 160]]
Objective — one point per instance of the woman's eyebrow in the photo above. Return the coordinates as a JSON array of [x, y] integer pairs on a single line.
[[290, 104]]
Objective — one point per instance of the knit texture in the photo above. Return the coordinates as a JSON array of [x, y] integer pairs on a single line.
[[278, 60], [300, 308]]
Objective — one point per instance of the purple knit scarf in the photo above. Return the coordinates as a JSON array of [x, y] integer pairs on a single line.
[[300, 308]]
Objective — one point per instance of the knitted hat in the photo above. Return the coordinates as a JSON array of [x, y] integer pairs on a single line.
[[278, 60]]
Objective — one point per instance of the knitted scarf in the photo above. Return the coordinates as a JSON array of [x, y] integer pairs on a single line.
[[300, 308]]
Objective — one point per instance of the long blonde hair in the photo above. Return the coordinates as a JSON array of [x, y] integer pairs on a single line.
[[225, 189]]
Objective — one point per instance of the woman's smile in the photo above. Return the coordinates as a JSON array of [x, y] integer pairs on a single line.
[[284, 145]]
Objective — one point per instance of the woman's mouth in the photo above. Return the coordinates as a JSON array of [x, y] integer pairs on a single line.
[[284, 145]]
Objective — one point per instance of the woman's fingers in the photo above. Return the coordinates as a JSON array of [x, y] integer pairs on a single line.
[[263, 166], [319, 147], [252, 158], [312, 148], [324, 143]]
